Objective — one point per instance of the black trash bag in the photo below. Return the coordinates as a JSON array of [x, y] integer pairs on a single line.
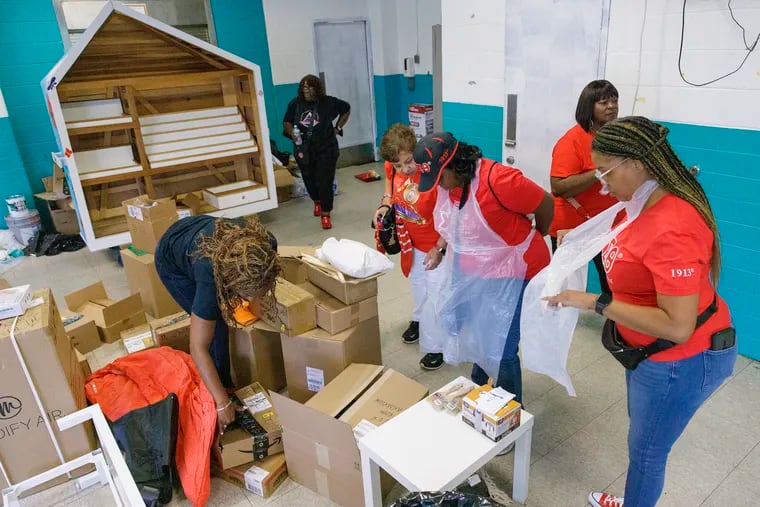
[[445, 499], [148, 438], [282, 156]]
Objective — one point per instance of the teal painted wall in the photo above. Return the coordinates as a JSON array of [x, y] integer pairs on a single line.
[[728, 160], [31, 44], [12, 172], [476, 124], [241, 29]]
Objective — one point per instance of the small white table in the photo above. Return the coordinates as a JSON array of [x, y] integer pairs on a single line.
[[428, 450]]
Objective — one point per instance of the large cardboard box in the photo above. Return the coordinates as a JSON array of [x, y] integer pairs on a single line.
[[148, 220], [283, 182], [59, 209], [143, 279], [262, 438], [343, 287], [256, 356], [172, 331], [291, 311], [83, 333], [321, 450], [26, 448], [262, 478], [112, 317], [316, 357], [293, 268], [334, 316], [138, 338]]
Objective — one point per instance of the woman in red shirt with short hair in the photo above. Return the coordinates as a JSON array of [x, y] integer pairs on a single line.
[[664, 310]]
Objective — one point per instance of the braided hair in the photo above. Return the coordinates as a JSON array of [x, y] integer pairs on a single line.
[[463, 164], [244, 262], [638, 138]]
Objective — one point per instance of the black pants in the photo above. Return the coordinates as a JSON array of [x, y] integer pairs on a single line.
[[318, 175], [599, 268]]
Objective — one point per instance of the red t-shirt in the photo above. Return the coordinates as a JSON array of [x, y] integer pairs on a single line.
[[666, 250], [521, 196], [571, 156], [414, 207]]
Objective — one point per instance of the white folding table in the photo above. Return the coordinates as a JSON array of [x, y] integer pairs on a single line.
[[428, 450]]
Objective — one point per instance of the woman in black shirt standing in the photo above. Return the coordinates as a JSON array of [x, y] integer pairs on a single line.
[[309, 123]]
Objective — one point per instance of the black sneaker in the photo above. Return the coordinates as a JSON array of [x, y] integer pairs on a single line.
[[431, 361], [412, 333]]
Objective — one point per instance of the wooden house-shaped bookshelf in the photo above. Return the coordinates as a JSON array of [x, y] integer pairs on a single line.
[[140, 107]]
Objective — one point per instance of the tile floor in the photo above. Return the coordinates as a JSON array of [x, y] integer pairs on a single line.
[[579, 444]]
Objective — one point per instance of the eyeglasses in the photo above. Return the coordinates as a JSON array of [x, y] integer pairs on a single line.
[[600, 175]]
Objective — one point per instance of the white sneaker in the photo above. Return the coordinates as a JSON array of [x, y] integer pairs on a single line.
[[599, 499], [510, 448]]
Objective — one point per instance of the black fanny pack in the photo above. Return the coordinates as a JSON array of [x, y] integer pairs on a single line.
[[630, 357]]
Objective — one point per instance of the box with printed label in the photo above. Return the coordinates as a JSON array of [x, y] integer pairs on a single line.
[[256, 356], [142, 278], [111, 316], [172, 331], [138, 338], [262, 478], [291, 311], [26, 447], [82, 332], [14, 301], [320, 443], [495, 424], [314, 358], [148, 220]]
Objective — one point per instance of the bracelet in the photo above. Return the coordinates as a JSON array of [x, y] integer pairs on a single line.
[[222, 409], [442, 250]]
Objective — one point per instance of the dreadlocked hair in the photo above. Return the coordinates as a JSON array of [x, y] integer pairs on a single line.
[[244, 261], [638, 138], [464, 161]]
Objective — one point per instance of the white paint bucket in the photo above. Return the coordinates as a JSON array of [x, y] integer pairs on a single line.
[[17, 206], [24, 228]]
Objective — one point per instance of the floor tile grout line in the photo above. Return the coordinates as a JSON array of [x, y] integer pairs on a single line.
[[756, 446]]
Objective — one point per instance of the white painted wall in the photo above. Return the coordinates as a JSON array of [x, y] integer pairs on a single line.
[[394, 27], [713, 46], [473, 51]]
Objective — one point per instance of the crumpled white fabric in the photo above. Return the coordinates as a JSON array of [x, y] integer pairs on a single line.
[[353, 258], [546, 332]]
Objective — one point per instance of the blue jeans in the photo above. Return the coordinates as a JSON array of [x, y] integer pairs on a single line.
[[182, 289], [510, 374], [662, 398]]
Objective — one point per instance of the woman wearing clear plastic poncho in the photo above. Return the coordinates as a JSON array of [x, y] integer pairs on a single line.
[[492, 249]]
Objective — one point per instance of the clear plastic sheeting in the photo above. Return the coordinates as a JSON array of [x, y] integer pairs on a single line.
[[469, 318], [353, 258], [446, 499], [546, 333]]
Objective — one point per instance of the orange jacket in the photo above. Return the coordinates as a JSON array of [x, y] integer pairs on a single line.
[[146, 377]]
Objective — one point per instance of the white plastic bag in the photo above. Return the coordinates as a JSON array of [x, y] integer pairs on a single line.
[[546, 333], [353, 258]]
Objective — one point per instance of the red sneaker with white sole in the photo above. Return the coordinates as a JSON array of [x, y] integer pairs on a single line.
[[599, 499], [326, 222], [317, 209]]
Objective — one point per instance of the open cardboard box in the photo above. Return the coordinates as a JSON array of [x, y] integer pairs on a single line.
[[256, 356], [83, 333], [111, 316], [319, 436], [293, 268], [347, 289]]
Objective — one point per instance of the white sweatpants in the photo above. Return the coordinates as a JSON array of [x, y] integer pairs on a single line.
[[424, 282]]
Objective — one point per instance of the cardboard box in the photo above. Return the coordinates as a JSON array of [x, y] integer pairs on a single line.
[[262, 478], [293, 268], [421, 119], [334, 316], [138, 338], [262, 438], [26, 448], [346, 289], [283, 182], [14, 301], [316, 357], [148, 220], [172, 331], [493, 424], [60, 210], [191, 205], [83, 333], [143, 279], [256, 356], [321, 450], [112, 317], [4, 284], [292, 312]]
